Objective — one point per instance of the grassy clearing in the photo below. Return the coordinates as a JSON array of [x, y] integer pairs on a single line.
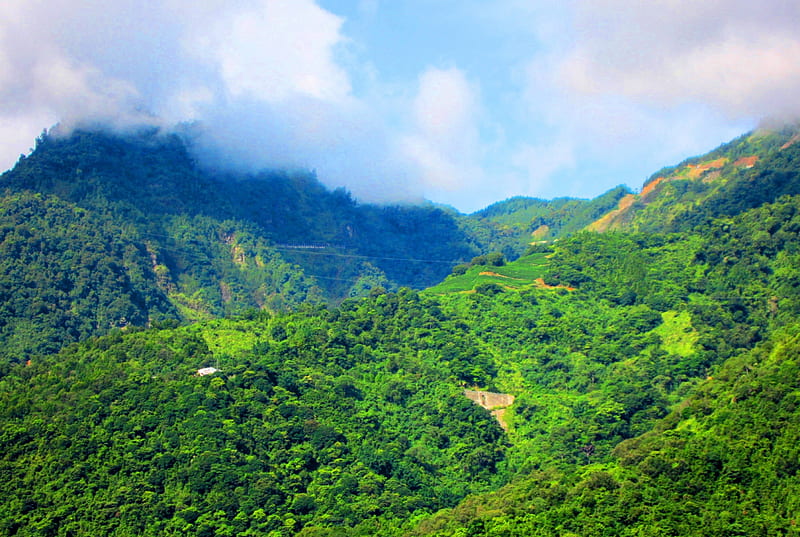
[[228, 338], [515, 275], [677, 333]]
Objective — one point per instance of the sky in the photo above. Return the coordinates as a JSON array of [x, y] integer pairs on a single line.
[[462, 102]]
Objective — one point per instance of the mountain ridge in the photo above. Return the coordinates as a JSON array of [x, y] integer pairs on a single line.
[[755, 168]]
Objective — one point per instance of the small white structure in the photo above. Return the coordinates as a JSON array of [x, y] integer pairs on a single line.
[[206, 371]]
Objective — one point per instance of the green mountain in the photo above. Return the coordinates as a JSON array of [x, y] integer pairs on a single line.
[[724, 462], [743, 174], [491, 274], [641, 381], [103, 231], [330, 419], [720, 369], [511, 226]]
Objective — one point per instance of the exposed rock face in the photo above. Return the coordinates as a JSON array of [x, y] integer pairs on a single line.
[[490, 400], [496, 403]]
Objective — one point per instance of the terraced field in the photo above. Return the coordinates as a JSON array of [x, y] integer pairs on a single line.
[[524, 272]]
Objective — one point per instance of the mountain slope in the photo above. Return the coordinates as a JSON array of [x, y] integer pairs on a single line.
[[353, 421], [723, 363], [723, 463], [313, 419], [68, 272], [743, 174], [184, 242], [652, 374], [511, 226], [144, 176]]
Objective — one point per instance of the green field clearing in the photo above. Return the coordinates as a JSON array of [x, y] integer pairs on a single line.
[[515, 275]]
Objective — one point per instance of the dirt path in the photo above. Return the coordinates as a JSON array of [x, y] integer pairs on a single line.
[[540, 283], [496, 275]]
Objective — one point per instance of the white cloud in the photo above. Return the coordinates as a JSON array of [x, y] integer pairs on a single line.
[[277, 82], [596, 138], [444, 142], [539, 164], [262, 71], [274, 50], [736, 55]]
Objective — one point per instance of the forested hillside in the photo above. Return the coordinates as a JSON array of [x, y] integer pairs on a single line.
[[103, 231], [175, 363], [754, 169], [329, 419], [724, 462], [510, 226], [352, 421], [719, 365]]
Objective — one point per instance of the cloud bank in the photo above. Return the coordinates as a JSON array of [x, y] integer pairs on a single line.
[[259, 76], [627, 87], [526, 99], [735, 55], [444, 144]]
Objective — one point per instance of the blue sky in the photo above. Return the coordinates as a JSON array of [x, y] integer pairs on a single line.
[[458, 102]]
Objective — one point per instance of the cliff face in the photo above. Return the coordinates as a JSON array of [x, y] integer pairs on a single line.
[[496, 403], [490, 400]]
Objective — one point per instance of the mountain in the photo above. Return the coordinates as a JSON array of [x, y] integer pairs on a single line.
[[326, 419], [640, 381], [354, 420], [724, 462], [154, 236], [511, 226], [743, 174]]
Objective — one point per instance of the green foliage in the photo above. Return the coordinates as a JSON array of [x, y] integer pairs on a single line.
[[489, 289], [510, 226], [493, 270], [148, 182], [683, 197], [346, 416], [654, 374], [129, 230], [723, 463], [68, 273]]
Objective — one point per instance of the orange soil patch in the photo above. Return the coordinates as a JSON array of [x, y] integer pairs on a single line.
[[791, 142], [496, 403], [626, 202], [605, 221], [696, 170], [540, 283], [500, 416], [541, 232], [649, 187], [746, 162]]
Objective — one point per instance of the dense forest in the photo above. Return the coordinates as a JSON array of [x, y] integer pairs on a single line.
[[157, 236], [175, 365], [152, 235]]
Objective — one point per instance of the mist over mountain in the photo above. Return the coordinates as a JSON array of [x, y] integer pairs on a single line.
[[463, 105], [207, 242]]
